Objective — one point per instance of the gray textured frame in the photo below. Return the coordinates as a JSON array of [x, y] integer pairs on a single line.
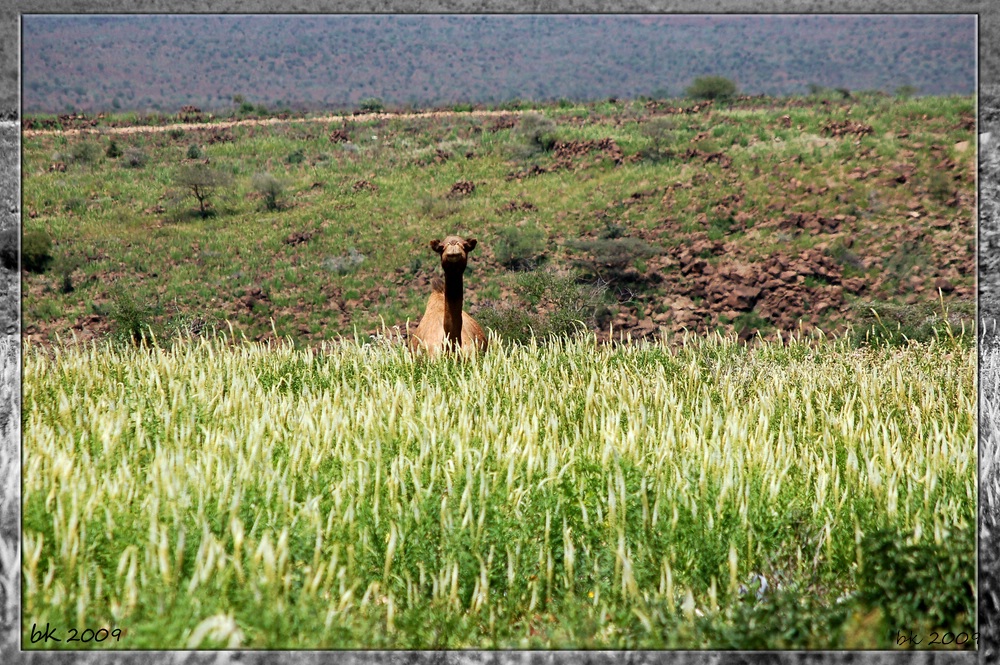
[[989, 76]]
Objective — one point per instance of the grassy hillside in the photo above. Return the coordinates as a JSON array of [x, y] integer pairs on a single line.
[[219, 496], [764, 215]]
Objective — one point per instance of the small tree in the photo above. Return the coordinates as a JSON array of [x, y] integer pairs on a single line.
[[712, 87], [372, 105], [201, 182], [662, 132]]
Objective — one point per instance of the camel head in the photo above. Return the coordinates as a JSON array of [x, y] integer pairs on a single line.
[[454, 251]]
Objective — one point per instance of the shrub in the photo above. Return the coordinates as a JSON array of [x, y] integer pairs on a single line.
[[611, 230], [194, 152], [131, 317], [712, 87], [270, 188], [113, 151], [519, 247], [36, 251], [661, 132], [85, 152], [296, 157], [201, 181], [371, 105], [535, 134], [176, 133], [547, 306], [786, 617], [610, 257], [923, 580], [135, 158]]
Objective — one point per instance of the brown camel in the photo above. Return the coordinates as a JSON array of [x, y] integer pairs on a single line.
[[444, 323]]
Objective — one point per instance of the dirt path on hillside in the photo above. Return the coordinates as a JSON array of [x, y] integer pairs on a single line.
[[254, 122]]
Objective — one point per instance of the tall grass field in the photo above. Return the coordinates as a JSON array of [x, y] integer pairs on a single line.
[[801, 493]]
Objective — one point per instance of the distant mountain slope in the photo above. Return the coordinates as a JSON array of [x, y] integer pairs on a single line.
[[94, 63]]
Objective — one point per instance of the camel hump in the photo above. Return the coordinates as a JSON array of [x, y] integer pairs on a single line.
[[437, 285]]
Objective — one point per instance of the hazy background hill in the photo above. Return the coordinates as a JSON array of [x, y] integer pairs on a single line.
[[94, 63]]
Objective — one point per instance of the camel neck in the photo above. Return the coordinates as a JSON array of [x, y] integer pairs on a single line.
[[454, 293]]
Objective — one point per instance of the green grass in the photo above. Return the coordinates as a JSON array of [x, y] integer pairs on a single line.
[[218, 494], [115, 214]]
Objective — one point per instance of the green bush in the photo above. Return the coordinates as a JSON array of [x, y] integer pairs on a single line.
[[371, 105], [534, 134], [519, 247], [113, 151], [194, 152], [270, 188], [922, 586], [132, 318], [547, 306], [609, 258], [36, 251], [135, 158], [712, 87], [793, 616], [85, 152]]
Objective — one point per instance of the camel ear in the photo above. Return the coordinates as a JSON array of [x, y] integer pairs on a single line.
[[437, 246], [470, 244]]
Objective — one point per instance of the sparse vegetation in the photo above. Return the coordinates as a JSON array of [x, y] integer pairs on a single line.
[[690, 224]]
